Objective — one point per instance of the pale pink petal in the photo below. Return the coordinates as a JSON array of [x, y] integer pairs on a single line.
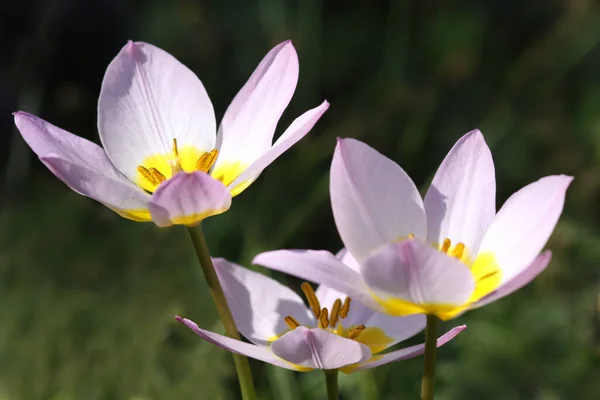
[[296, 131], [238, 347], [521, 279], [119, 195], [319, 349], [524, 224], [258, 303], [327, 295], [417, 273], [148, 98], [82, 165], [249, 123], [347, 258], [186, 199], [374, 201], [461, 201], [320, 267], [397, 328], [406, 353]]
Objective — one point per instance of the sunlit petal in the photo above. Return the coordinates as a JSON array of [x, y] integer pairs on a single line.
[[186, 199], [374, 201], [524, 224], [320, 267], [238, 347], [406, 353], [148, 98], [83, 166], [258, 303], [521, 279], [461, 201], [412, 277], [249, 123], [319, 349]]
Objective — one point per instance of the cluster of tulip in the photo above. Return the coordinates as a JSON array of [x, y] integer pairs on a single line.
[[408, 261]]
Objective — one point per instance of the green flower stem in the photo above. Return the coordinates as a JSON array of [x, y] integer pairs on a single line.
[[428, 383], [331, 379], [216, 291]]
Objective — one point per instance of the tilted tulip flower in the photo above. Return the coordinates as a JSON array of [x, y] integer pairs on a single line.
[[163, 159], [441, 256], [332, 332]]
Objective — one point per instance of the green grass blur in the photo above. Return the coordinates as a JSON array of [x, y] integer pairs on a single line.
[[87, 299]]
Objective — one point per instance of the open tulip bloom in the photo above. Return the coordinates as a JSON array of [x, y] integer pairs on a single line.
[[439, 256], [330, 333], [163, 160]]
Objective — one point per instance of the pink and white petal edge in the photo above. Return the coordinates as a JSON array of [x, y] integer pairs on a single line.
[[296, 131], [250, 120], [320, 267], [523, 278], [374, 202], [147, 99], [461, 201], [319, 349], [259, 303], [404, 354], [238, 347], [187, 199]]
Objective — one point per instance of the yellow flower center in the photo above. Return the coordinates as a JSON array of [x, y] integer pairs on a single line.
[[373, 337], [158, 168], [486, 274]]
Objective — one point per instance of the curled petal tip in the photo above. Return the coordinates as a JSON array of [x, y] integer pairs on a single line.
[[178, 319]]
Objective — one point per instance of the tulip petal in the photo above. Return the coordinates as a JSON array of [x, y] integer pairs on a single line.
[[524, 224], [249, 123], [397, 328], [403, 354], [327, 295], [148, 98], [413, 278], [320, 267], [186, 199], [461, 201], [319, 349], [523, 278], [238, 347], [359, 313], [83, 166], [296, 131], [374, 201], [258, 303]]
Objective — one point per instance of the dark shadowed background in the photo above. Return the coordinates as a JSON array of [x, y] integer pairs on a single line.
[[87, 299]]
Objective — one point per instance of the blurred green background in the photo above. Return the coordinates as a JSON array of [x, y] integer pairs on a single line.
[[87, 299]]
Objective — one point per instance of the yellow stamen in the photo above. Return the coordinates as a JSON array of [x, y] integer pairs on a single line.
[[207, 160], [323, 320], [355, 332], [446, 246], [345, 308], [175, 149], [335, 313], [291, 322], [311, 297], [458, 251], [157, 175], [152, 175], [411, 236]]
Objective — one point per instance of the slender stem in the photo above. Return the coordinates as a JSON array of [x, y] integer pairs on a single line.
[[331, 379], [428, 383], [216, 291]]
